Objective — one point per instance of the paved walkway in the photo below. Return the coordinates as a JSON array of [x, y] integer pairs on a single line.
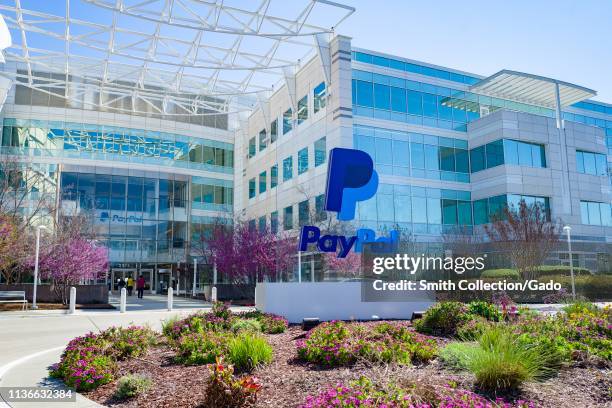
[[31, 341]]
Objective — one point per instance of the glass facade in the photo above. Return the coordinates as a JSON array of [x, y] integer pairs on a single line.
[[288, 168], [591, 163], [507, 151], [492, 208], [288, 218], [140, 219], [412, 154], [418, 209], [594, 213], [111, 143], [287, 121], [212, 194]]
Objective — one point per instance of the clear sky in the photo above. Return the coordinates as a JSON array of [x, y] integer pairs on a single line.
[[563, 39]]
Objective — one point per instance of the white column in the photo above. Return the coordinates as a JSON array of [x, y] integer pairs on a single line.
[[170, 298], [122, 300], [195, 274], [72, 308]]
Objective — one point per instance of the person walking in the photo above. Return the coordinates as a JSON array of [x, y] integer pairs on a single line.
[[120, 284], [130, 285], [140, 284]]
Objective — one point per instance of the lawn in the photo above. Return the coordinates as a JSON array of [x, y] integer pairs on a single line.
[[458, 355]]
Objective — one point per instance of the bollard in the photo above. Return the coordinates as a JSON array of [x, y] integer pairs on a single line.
[[213, 295], [170, 298], [178, 292], [72, 300], [123, 300]]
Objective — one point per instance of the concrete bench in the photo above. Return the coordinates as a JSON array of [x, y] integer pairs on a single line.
[[14, 296]]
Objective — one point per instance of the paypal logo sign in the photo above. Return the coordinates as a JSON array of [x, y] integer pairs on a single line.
[[350, 178]]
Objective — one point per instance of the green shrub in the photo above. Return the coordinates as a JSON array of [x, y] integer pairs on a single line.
[[502, 362], [500, 274], [473, 328], [456, 354], [200, 348], [548, 270], [129, 342], [133, 385], [580, 306], [485, 309], [246, 324], [442, 319], [247, 351]]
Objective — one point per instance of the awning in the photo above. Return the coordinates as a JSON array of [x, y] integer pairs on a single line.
[[531, 89]]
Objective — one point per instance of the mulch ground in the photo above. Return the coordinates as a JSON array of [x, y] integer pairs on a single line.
[[287, 381]]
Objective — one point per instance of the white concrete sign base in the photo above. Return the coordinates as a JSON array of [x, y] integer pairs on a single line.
[[332, 301]]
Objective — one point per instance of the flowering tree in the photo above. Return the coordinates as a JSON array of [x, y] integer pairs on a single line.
[[348, 267], [244, 253], [69, 262], [71, 255]]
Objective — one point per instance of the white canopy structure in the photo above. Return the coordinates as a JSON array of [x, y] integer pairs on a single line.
[[166, 57]]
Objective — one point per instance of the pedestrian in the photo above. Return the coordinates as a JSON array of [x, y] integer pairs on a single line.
[[130, 285], [120, 284], [140, 284]]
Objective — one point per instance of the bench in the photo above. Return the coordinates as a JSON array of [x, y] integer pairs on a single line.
[[14, 296]]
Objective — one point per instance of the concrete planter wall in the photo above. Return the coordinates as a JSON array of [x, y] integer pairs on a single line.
[[85, 294], [332, 301]]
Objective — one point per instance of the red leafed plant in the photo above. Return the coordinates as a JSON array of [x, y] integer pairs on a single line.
[[224, 389]]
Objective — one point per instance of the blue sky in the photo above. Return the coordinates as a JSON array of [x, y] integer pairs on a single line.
[[562, 39]]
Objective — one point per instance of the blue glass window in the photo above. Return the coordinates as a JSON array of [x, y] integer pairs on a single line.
[[287, 121], [263, 140], [320, 151], [273, 131], [320, 97], [252, 190], [415, 102], [252, 147], [591, 163], [273, 176], [274, 222], [262, 223], [262, 182], [364, 93], [302, 110], [303, 213], [288, 168], [382, 97], [320, 213], [398, 99], [303, 160], [288, 218]]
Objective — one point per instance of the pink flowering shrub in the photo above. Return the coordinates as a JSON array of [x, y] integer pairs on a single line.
[[128, 342], [582, 330], [338, 343], [364, 393], [85, 363], [90, 361], [195, 323], [273, 324]]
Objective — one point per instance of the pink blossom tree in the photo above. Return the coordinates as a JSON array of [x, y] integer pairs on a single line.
[[244, 254], [348, 267], [72, 261]]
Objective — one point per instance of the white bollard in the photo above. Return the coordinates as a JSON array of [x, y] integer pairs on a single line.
[[178, 292], [122, 300], [170, 298], [72, 300], [213, 295]]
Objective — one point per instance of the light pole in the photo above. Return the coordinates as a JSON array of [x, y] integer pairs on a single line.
[[34, 306], [568, 231]]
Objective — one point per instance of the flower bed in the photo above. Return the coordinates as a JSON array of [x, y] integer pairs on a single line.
[[338, 343], [364, 393]]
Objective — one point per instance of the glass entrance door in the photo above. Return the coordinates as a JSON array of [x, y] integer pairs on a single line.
[[118, 274]]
